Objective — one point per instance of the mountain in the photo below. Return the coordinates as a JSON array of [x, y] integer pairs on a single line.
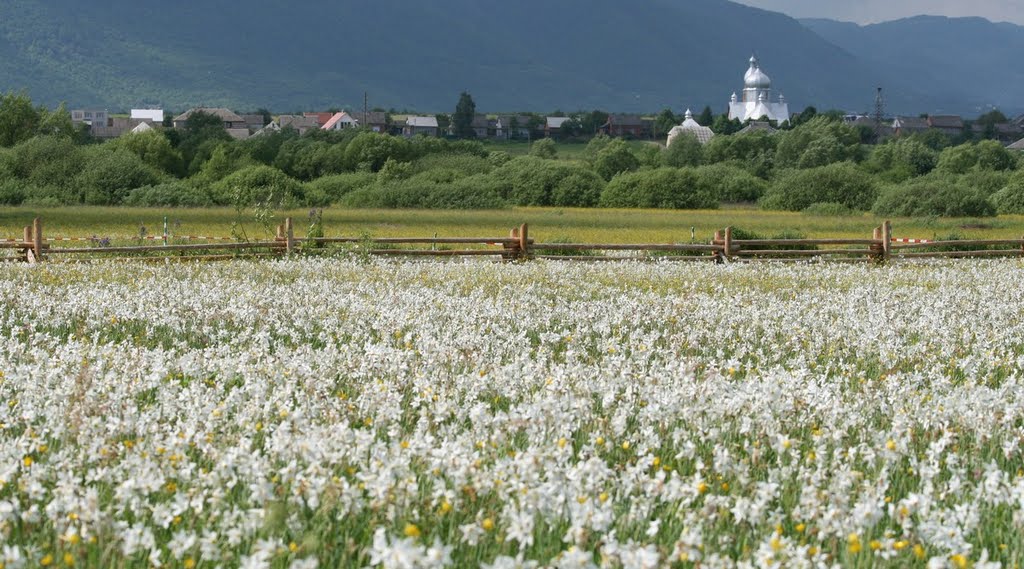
[[620, 55], [968, 63]]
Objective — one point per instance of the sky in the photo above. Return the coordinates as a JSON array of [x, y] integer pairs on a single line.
[[872, 11]]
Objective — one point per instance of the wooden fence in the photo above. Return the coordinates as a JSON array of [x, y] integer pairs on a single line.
[[33, 247]]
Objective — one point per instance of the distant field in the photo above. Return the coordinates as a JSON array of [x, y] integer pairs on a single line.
[[579, 225]]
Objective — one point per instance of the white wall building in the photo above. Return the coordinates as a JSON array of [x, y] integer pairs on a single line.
[[757, 101], [692, 128]]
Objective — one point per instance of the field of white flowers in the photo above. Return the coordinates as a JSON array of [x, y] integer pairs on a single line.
[[333, 413]]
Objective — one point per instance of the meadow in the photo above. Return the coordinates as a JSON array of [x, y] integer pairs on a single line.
[[563, 224], [349, 413]]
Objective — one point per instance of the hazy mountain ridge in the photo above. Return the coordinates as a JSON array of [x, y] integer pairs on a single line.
[[959, 59], [527, 55]]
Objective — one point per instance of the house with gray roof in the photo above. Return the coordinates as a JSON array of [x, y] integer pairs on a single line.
[[230, 119]]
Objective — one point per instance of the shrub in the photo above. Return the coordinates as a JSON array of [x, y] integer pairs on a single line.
[[111, 174], [933, 196], [662, 188], [994, 156], [177, 193], [331, 189], [473, 192], [544, 148], [957, 159], [730, 184], [1010, 200], [818, 142], [841, 183], [257, 185], [615, 158], [579, 189], [529, 180], [47, 161], [369, 151], [154, 149], [11, 192], [464, 164], [903, 158], [685, 151]]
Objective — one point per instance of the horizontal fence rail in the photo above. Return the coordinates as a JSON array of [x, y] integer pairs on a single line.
[[34, 247]]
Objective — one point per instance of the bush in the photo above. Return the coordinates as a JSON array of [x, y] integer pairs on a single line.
[[47, 161], [828, 209], [369, 151], [933, 195], [684, 151], [331, 189], [730, 184], [1010, 200], [579, 189], [615, 158], [902, 159], [662, 188], [818, 142], [257, 185], [11, 192], [473, 192], [169, 194], [842, 183], [544, 148], [464, 164], [154, 149], [529, 180], [111, 174]]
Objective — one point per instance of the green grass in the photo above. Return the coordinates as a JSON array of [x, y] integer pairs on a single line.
[[579, 225]]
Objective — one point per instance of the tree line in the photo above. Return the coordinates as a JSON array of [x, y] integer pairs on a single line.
[[820, 165]]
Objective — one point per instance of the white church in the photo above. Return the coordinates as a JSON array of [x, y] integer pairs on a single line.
[[757, 98]]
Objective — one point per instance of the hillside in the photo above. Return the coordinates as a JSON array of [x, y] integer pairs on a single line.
[[958, 59], [529, 55]]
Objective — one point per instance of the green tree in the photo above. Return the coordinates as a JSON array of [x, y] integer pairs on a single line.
[[614, 159], [664, 122], [685, 150], [154, 149], [462, 118], [706, 118], [19, 120]]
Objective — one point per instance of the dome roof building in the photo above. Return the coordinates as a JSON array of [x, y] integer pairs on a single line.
[[756, 102], [692, 128]]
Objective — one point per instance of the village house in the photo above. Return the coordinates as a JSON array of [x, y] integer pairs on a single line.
[[950, 125], [905, 126], [631, 126], [511, 127], [155, 116], [416, 125], [321, 118], [553, 125], [231, 120], [301, 123], [374, 121], [91, 117], [340, 121]]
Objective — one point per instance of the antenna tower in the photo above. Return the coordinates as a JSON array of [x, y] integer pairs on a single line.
[[879, 112]]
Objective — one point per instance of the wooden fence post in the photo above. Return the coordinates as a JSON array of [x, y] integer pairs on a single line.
[[524, 242], [876, 249], [289, 235], [886, 240], [512, 247], [37, 238], [728, 242]]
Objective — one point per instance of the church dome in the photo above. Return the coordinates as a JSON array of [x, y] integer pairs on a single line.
[[755, 78]]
